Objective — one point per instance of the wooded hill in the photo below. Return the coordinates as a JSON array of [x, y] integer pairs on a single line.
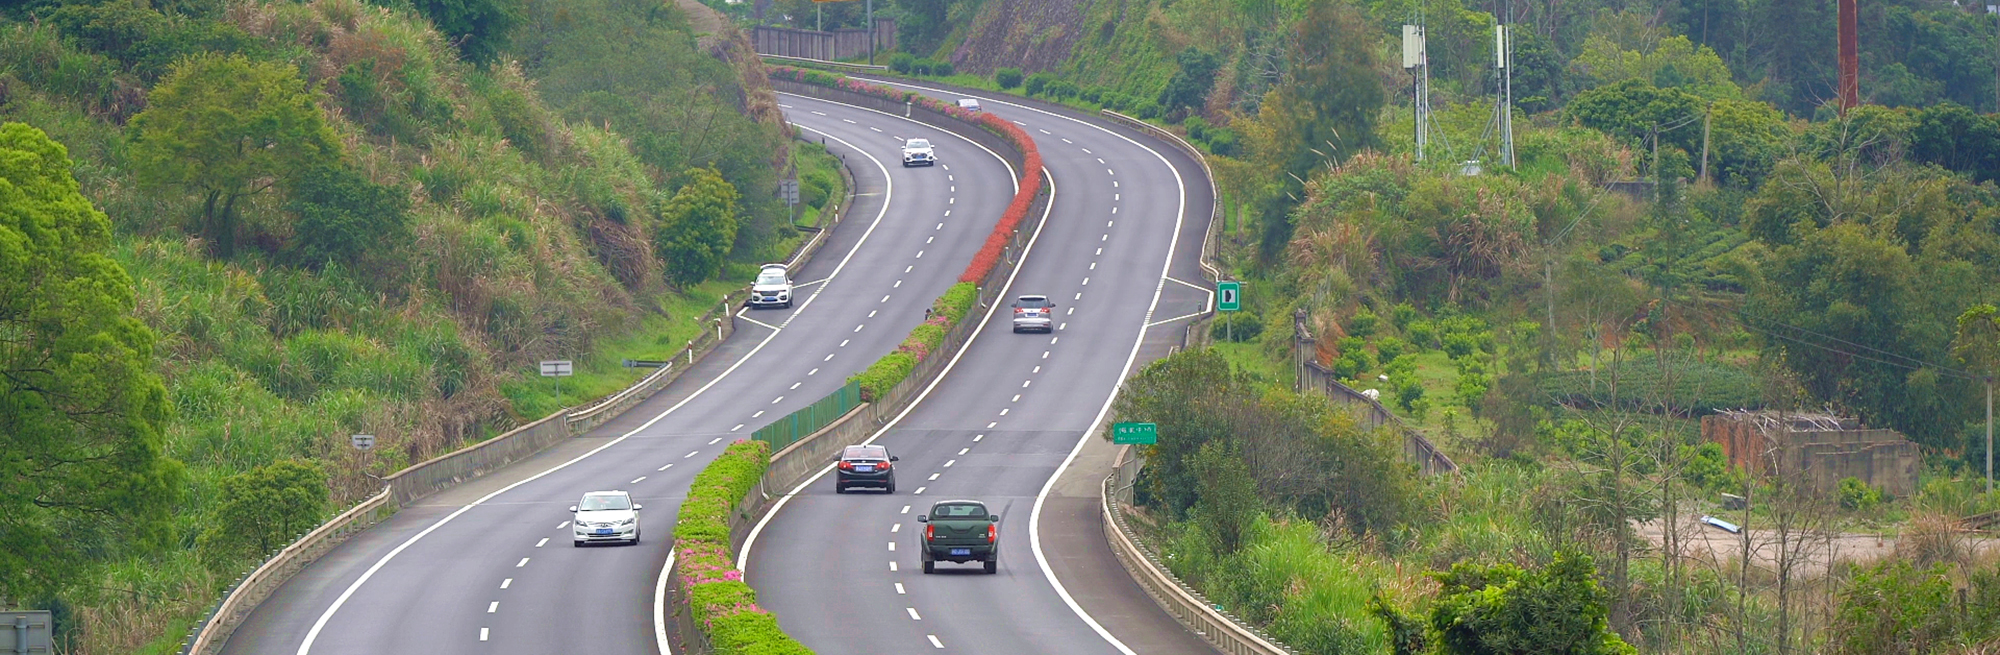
[[290, 222]]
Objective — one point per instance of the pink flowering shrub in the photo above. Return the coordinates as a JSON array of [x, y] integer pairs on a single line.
[[722, 604]]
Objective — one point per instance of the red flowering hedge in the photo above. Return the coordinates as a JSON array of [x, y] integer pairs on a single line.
[[1031, 158], [724, 606], [893, 368]]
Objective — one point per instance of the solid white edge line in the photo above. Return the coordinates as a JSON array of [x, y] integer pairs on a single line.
[[743, 556], [888, 194], [660, 606]]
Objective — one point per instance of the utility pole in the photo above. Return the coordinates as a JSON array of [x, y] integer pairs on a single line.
[[1850, 74], [1705, 116], [1989, 435], [1503, 50], [871, 32]]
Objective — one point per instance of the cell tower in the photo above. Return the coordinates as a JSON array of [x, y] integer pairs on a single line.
[[1416, 59]]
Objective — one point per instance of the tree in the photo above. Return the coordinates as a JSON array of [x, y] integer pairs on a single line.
[[1953, 137], [697, 227], [479, 27], [1637, 113], [228, 128], [1892, 608], [343, 217], [1190, 85], [82, 458], [264, 508], [1228, 504], [1322, 113], [1503, 610]]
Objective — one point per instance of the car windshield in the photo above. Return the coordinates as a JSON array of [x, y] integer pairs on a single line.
[[1033, 302], [866, 452], [958, 510], [920, 143], [595, 503], [771, 276]]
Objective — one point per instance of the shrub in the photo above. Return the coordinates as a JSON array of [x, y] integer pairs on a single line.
[[942, 68], [1061, 89], [1007, 78], [956, 301], [884, 374], [1147, 109], [903, 62], [1353, 363], [1363, 323], [1222, 141], [723, 605], [1457, 345], [1197, 128], [1037, 82], [1390, 348], [1402, 315], [1857, 495], [1091, 94], [1236, 326]]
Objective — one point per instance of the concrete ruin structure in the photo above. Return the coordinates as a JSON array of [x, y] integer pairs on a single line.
[[1819, 449]]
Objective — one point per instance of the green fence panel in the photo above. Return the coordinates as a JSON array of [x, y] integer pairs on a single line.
[[809, 419]]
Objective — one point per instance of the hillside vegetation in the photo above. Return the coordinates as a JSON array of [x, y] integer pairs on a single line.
[[289, 222], [1687, 226]]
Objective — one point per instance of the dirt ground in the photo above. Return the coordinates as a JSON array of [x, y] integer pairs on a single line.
[[1718, 547]]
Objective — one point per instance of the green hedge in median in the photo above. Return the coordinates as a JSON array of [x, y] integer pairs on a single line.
[[723, 605], [924, 339]]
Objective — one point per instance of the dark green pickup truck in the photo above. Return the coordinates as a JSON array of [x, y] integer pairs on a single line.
[[960, 531]]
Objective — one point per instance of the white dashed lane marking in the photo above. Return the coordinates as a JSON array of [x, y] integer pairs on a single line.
[[716, 440], [493, 607], [663, 468], [913, 614], [759, 413], [509, 582], [482, 634], [691, 453], [934, 476], [642, 478], [899, 589], [934, 641], [543, 542], [523, 562], [739, 426]]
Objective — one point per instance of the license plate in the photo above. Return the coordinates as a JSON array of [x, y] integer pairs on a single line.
[[961, 551], [603, 531], [864, 468]]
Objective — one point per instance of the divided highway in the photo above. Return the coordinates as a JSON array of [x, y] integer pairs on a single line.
[[1013, 423], [487, 567]]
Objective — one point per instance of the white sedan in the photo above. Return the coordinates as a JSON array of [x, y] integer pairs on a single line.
[[605, 516]]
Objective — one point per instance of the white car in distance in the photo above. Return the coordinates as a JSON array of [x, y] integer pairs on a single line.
[[917, 152], [605, 516], [773, 287], [968, 104]]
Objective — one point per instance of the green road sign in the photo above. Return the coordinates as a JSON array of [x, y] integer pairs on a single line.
[[1229, 296], [1135, 433]]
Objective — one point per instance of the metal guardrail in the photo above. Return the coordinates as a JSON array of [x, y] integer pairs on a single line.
[[825, 62], [267, 577], [1225, 631]]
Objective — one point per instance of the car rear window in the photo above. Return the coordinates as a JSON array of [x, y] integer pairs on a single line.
[[1033, 301], [865, 452], [959, 510], [771, 276], [920, 143]]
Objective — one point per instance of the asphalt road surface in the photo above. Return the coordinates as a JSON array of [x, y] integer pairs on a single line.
[[487, 567], [1014, 423]]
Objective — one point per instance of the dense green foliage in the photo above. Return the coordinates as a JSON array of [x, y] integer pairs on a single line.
[[480, 28], [225, 128], [696, 228], [1501, 609], [82, 456], [265, 508], [335, 222], [1304, 456]]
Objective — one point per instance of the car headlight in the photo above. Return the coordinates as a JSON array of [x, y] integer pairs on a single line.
[[628, 521]]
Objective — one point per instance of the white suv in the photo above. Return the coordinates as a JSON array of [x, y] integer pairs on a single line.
[[773, 287], [917, 152]]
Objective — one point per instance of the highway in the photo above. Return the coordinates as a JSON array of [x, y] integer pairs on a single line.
[[1013, 423], [486, 567]]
